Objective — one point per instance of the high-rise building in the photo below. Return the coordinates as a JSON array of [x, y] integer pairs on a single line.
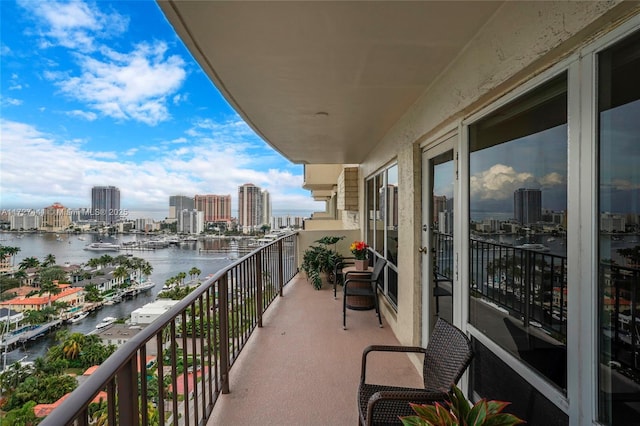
[[527, 205], [249, 207], [266, 208], [55, 218], [177, 203], [216, 208], [105, 204], [190, 222]]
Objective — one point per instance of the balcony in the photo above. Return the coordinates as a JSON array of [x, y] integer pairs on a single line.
[[286, 361]]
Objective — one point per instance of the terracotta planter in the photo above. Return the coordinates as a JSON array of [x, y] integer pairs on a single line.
[[361, 265]]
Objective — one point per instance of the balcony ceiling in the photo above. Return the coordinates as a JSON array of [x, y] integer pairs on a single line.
[[324, 81]]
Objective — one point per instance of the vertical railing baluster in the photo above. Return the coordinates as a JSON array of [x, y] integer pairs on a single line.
[[160, 370], [258, 278], [223, 311], [281, 267], [111, 402], [144, 410], [174, 373]]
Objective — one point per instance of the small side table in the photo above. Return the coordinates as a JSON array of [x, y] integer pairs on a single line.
[[358, 303]]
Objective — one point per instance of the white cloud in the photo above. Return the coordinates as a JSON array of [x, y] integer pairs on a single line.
[[132, 86], [500, 182], [6, 101], [73, 24], [87, 115], [63, 171], [624, 185]]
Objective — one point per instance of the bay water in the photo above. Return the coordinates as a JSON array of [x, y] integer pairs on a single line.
[[209, 256]]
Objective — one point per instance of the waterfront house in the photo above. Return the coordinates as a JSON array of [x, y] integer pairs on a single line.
[[447, 115], [72, 296]]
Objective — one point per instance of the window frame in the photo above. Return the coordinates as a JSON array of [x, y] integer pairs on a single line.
[[371, 235]]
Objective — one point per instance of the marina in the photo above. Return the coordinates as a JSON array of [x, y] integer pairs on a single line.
[[208, 255]]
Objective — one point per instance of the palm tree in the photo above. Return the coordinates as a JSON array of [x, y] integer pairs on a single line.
[[194, 272], [93, 262], [72, 346], [49, 260], [120, 273], [181, 276], [9, 251], [49, 287], [20, 275], [29, 262], [105, 259]]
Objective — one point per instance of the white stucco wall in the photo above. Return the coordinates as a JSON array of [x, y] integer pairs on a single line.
[[520, 41]]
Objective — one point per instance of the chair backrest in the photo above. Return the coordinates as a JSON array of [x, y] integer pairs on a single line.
[[447, 356], [377, 269]]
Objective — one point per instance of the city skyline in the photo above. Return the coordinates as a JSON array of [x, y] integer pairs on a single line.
[[105, 94]]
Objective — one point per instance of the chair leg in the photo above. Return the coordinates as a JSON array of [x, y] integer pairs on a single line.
[[344, 310], [375, 302]]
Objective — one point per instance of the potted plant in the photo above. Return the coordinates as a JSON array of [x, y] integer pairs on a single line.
[[360, 252], [320, 259], [458, 412]]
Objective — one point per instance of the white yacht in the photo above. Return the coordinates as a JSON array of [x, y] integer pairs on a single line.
[[77, 317], [102, 247], [106, 321]]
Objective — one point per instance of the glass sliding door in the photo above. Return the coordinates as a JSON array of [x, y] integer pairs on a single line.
[[619, 233], [518, 214]]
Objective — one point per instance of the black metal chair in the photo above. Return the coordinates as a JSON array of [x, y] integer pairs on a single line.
[[370, 290], [338, 276], [446, 357]]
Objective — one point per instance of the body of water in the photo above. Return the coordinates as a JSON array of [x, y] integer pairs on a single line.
[[209, 256]]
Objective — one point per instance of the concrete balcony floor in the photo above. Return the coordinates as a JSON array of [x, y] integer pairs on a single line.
[[302, 368]]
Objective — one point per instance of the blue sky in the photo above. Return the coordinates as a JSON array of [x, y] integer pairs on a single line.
[[105, 93]]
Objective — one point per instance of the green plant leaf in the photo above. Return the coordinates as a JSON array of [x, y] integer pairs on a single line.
[[478, 414], [426, 411], [415, 421], [495, 407], [445, 417], [459, 404], [503, 419]]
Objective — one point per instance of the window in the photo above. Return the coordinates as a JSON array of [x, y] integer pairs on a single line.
[[382, 223], [518, 214], [619, 245]]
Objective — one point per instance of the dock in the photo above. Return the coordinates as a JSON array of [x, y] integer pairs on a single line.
[[34, 333]]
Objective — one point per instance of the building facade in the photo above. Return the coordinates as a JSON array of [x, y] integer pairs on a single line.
[[190, 222], [105, 204], [249, 208], [527, 206], [177, 203], [216, 208], [25, 221], [55, 218]]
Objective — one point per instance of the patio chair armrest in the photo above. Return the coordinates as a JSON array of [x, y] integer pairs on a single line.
[[385, 348], [416, 396]]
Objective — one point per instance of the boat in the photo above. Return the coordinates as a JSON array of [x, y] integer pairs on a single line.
[[145, 286], [102, 247], [536, 247], [77, 317], [106, 321]]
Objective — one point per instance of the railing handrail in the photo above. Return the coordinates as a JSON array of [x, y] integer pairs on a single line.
[[77, 401]]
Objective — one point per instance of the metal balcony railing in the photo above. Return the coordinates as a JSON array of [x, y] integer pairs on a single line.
[[528, 283], [172, 372]]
